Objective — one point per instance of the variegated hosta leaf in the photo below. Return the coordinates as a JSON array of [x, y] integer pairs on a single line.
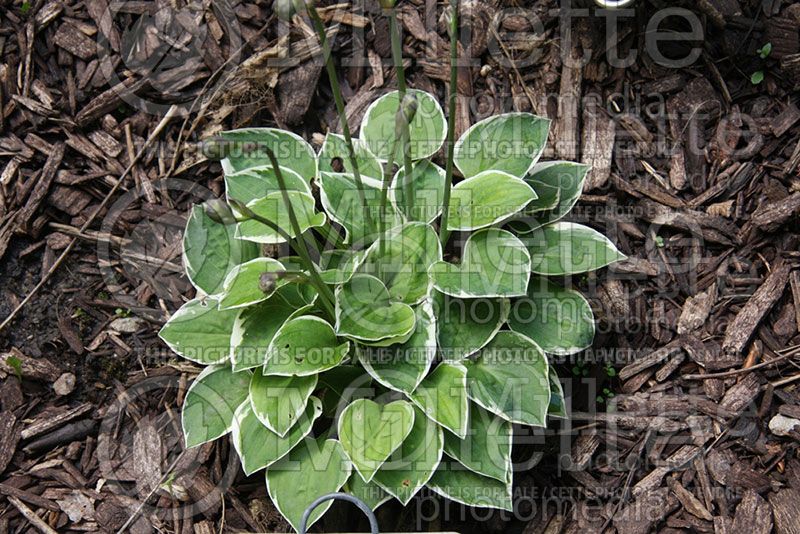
[[414, 462], [312, 469], [495, 264], [559, 320], [273, 208], [255, 327], [457, 483], [366, 312], [334, 157], [369, 492], [242, 287], [246, 148], [200, 332], [260, 447], [304, 346], [511, 143], [342, 384], [338, 266], [402, 367], [562, 179], [486, 199], [467, 325], [371, 432], [427, 183], [442, 396], [211, 402], [486, 449], [210, 251], [569, 248], [279, 401], [558, 405], [251, 184], [401, 261], [342, 202], [510, 378], [426, 131]]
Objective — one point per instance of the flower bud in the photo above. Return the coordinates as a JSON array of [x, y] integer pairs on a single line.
[[405, 114], [267, 282], [386, 4], [214, 148], [284, 9], [219, 211]]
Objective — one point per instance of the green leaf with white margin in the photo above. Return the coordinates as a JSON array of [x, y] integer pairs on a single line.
[[243, 285], [486, 449], [339, 265], [369, 492], [402, 367], [255, 327], [569, 248], [559, 320], [200, 332], [258, 446], [565, 177], [371, 432], [414, 462], [512, 143], [342, 202], [401, 260], [457, 483], [427, 186], [467, 325], [246, 148], [426, 131], [366, 312], [210, 251], [312, 469], [442, 396], [273, 208], [487, 199], [335, 149], [278, 401], [211, 402], [251, 184], [558, 405], [495, 264], [340, 385], [304, 346], [510, 378]]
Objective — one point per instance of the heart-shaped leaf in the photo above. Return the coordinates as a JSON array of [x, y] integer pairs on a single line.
[[278, 401], [486, 449], [338, 265], [247, 147], [426, 131], [402, 367], [255, 183], [414, 463], [200, 332], [211, 402], [366, 312], [242, 287], [427, 186], [304, 346], [495, 264], [511, 143], [510, 378], [210, 251], [371, 432], [467, 325], [565, 177], [457, 483], [401, 260], [558, 405], [369, 492], [442, 396], [312, 469], [341, 200], [569, 248], [334, 157], [486, 199], [260, 447], [255, 327], [272, 208], [559, 320]]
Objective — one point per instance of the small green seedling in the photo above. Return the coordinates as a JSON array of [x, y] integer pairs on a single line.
[[16, 364], [765, 51]]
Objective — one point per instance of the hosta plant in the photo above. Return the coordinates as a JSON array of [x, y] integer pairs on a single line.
[[384, 349]]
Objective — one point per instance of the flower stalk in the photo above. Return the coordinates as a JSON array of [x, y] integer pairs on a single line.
[[444, 233]]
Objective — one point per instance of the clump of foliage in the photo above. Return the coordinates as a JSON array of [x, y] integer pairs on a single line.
[[406, 324]]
